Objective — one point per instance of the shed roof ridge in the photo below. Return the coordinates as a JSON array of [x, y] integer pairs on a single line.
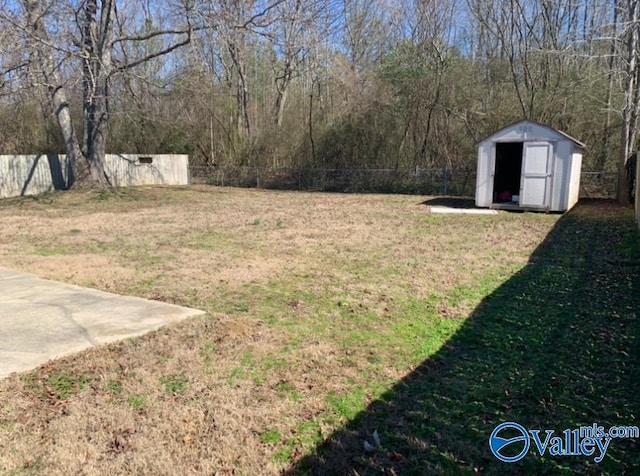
[[553, 129]]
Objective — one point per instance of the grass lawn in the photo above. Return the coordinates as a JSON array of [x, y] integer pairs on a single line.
[[329, 317]]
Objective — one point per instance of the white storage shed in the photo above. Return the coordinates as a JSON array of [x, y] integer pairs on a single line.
[[528, 165]]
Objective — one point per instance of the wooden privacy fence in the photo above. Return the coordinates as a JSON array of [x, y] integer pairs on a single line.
[[34, 174], [22, 175]]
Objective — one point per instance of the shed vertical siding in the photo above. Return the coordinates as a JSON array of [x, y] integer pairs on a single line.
[[561, 173], [484, 182], [574, 180]]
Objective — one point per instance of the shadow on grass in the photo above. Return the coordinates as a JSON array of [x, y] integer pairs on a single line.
[[450, 202], [554, 347]]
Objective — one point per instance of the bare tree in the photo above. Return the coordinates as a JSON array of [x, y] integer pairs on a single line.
[[233, 15], [237, 24], [44, 71], [100, 30], [369, 83], [630, 55], [288, 41]]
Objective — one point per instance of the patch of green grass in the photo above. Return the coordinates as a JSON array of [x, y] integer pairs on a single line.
[[272, 320], [270, 437], [241, 307], [94, 247], [142, 286], [348, 405], [243, 370], [256, 222], [63, 386], [7, 425], [421, 336], [283, 454], [114, 387], [54, 250], [32, 385], [209, 240], [550, 345], [175, 384], [272, 362], [208, 352], [289, 390], [309, 433], [137, 402], [126, 194], [235, 374], [466, 297], [374, 359]]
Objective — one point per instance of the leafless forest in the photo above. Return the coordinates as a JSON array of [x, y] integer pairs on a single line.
[[315, 83]]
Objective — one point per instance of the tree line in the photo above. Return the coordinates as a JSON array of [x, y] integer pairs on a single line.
[[315, 83]]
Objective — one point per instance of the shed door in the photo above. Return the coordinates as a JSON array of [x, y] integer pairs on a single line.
[[536, 174]]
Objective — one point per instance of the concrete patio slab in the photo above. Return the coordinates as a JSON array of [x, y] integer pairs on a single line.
[[42, 320]]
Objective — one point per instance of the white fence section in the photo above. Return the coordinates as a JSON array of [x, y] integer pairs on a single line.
[[126, 170], [34, 174]]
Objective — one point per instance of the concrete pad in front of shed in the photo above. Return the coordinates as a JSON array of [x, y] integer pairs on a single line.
[[42, 320], [463, 211]]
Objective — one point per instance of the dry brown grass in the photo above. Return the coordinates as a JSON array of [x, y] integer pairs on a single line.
[[305, 294]]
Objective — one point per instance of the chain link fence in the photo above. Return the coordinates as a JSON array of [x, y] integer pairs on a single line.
[[598, 184], [444, 181]]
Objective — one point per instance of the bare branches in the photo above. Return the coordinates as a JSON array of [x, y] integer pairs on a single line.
[[157, 54], [334, 82], [261, 14], [150, 35]]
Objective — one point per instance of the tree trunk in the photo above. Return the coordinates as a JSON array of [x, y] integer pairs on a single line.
[[236, 47], [310, 125], [97, 38], [631, 100], [48, 74], [611, 62], [100, 129], [243, 103], [281, 99], [75, 157]]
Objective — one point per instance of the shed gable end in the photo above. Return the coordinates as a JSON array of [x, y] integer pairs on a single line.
[[526, 130]]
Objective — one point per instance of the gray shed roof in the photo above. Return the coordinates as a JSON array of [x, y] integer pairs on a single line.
[[564, 134]]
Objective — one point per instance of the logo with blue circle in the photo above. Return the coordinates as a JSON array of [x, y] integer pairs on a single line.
[[509, 442]]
